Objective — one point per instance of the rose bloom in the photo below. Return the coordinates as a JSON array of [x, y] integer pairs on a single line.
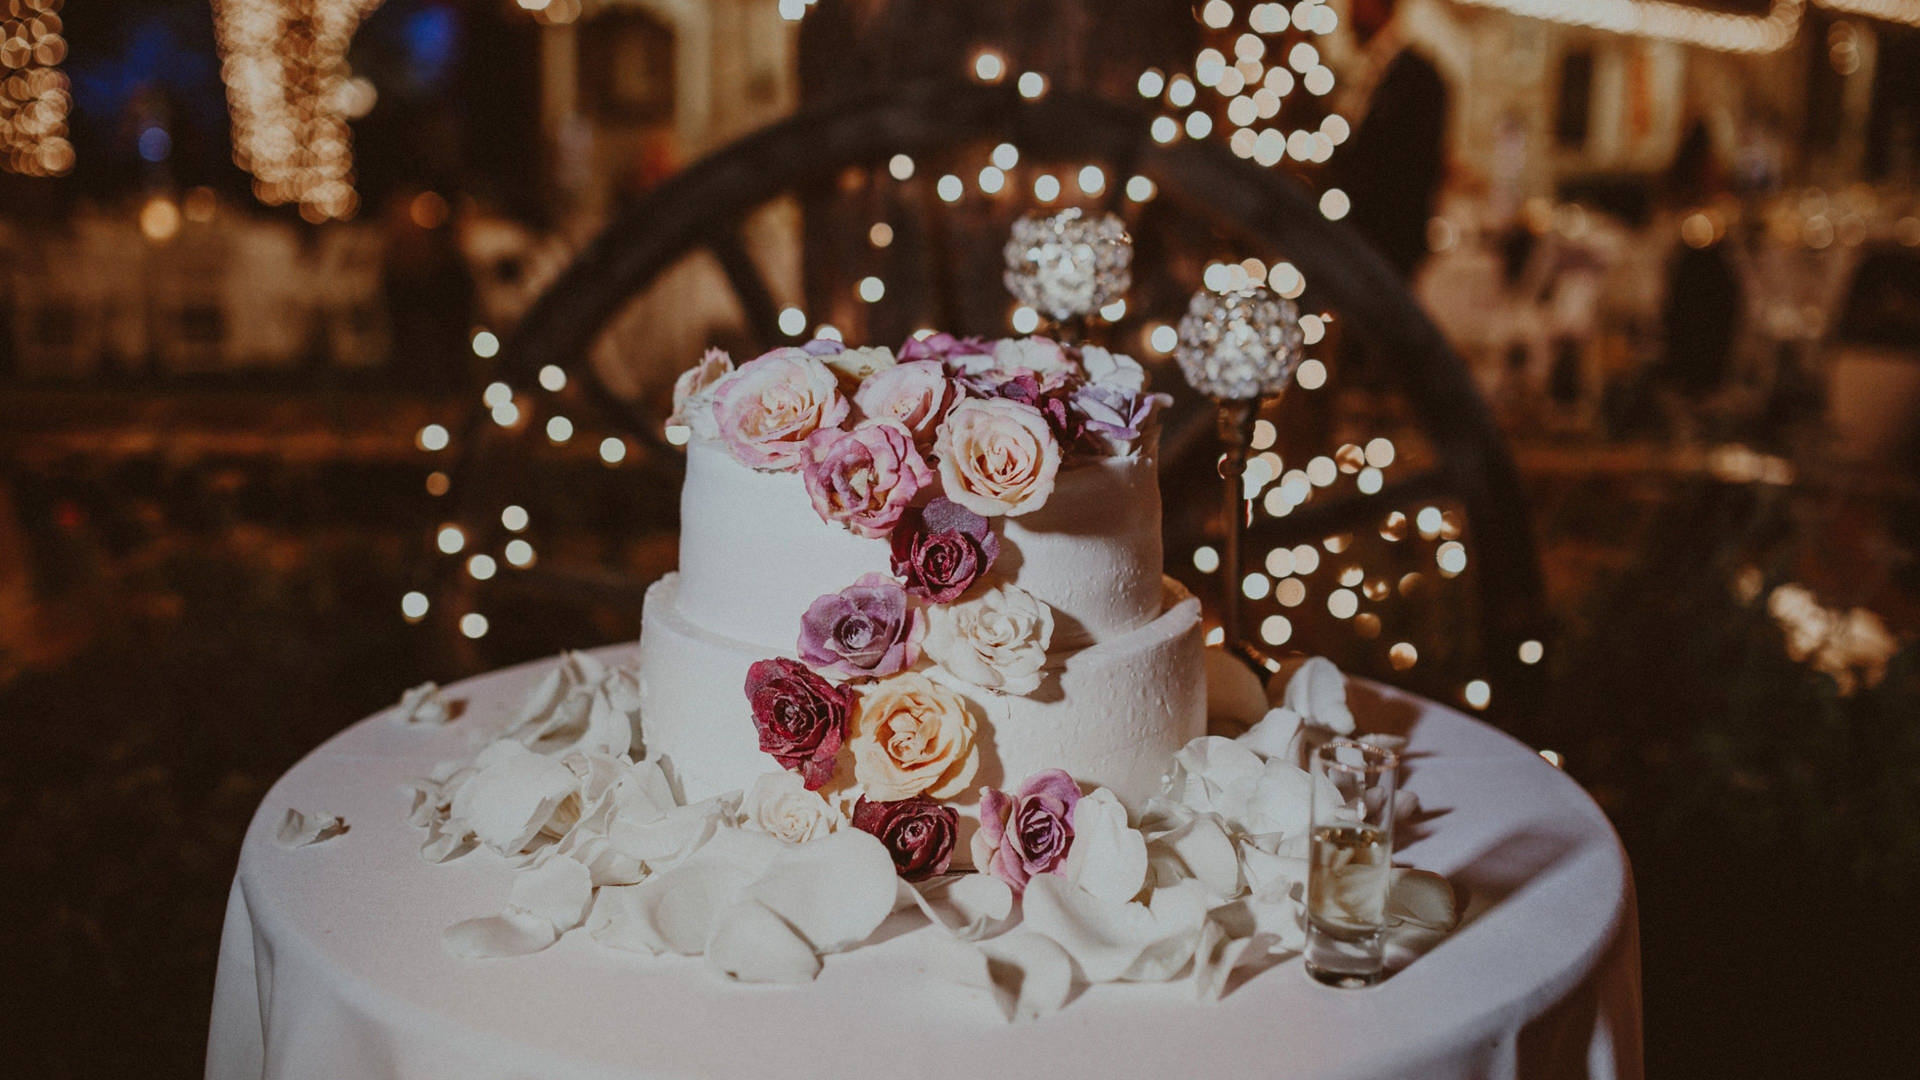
[[1029, 832], [866, 478], [1113, 371], [911, 737], [997, 457], [916, 393], [1042, 356], [801, 717], [694, 390], [1113, 422], [865, 629], [780, 805], [998, 640], [960, 356], [1054, 399], [768, 409], [942, 550], [854, 366], [917, 832]]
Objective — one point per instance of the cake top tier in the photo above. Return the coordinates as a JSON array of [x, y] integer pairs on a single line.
[[928, 466]]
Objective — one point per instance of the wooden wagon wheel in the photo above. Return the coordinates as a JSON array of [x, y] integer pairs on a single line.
[[704, 207]]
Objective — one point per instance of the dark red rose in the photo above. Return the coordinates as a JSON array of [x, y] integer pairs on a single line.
[[1054, 399], [917, 832], [801, 717], [942, 550]]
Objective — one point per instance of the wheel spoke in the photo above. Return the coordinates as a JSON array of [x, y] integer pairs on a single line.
[[749, 286]]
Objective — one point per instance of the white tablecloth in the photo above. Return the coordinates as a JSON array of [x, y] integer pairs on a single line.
[[331, 965]]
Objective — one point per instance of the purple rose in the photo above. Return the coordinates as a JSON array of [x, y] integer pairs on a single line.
[[1112, 421], [801, 717], [865, 478], [865, 629], [917, 832], [960, 356], [1053, 397], [1027, 833], [942, 550]]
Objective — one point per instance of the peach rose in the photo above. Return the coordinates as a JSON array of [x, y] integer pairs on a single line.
[[997, 457], [768, 409], [694, 390], [917, 393], [854, 366], [912, 737]]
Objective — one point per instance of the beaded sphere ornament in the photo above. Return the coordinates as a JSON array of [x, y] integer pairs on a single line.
[[1240, 346], [1069, 265]]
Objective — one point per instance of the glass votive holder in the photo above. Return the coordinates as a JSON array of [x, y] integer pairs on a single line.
[[1351, 861]]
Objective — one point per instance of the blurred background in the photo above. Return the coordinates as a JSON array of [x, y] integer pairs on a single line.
[[271, 451]]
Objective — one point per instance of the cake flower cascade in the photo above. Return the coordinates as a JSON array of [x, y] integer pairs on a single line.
[[877, 726]]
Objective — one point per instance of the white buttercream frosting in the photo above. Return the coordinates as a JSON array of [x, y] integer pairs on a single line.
[[754, 554], [1111, 714]]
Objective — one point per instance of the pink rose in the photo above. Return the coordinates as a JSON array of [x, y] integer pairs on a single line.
[[1029, 832], [768, 409], [997, 457], [865, 478], [694, 390], [916, 393]]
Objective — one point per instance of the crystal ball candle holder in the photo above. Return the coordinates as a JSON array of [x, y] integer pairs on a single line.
[[1240, 346], [1069, 265]]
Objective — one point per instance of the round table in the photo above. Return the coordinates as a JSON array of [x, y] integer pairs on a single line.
[[331, 965]]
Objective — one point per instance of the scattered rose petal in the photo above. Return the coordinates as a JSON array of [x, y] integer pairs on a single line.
[[967, 906], [510, 933], [559, 891], [835, 892], [752, 943], [1317, 690], [1276, 735], [299, 829], [1110, 942], [1028, 975], [423, 706], [1108, 858]]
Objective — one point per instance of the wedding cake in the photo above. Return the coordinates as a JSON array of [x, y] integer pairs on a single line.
[[915, 576]]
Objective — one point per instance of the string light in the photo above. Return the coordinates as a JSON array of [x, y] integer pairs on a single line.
[[613, 450], [900, 167], [993, 180], [1152, 83], [1531, 652], [485, 345], [482, 567], [1671, 21], [872, 289], [519, 554], [1046, 187], [450, 539], [432, 438], [1024, 319], [949, 188], [1206, 559], [1276, 629], [793, 321], [1310, 375], [880, 236], [1478, 694], [559, 429], [290, 94], [473, 625], [38, 96], [1032, 84], [552, 379], [989, 66], [414, 606], [1093, 180], [1005, 156], [514, 518]]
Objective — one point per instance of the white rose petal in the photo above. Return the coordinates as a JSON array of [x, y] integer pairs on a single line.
[[1315, 689], [423, 706], [1038, 355], [299, 829], [834, 892], [1276, 735], [967, 906], [1108, 858], [507, 934], [559, 891], [752, 943], [1028, 975], [1110, 942], [1188, 846], [1220, 954], [997, 641], [511, 796]]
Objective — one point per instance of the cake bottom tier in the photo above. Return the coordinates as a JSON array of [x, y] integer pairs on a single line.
[[1111, 714]]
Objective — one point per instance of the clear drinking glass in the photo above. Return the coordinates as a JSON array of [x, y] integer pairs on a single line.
[[1351, 861]]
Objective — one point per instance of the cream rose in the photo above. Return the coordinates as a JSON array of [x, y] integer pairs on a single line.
[[766, 410], [998, 640], [855, 366], [918, 394], [911, 737], [997, 457], [694, 390], [1042, 356], [780, 805]]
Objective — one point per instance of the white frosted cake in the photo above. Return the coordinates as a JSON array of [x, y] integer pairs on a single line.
[[813, 470]]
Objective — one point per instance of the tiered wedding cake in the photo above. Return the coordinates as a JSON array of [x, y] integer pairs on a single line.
[[918, 576]]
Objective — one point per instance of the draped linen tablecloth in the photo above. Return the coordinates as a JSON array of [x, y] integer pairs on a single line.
[[331, 965]]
